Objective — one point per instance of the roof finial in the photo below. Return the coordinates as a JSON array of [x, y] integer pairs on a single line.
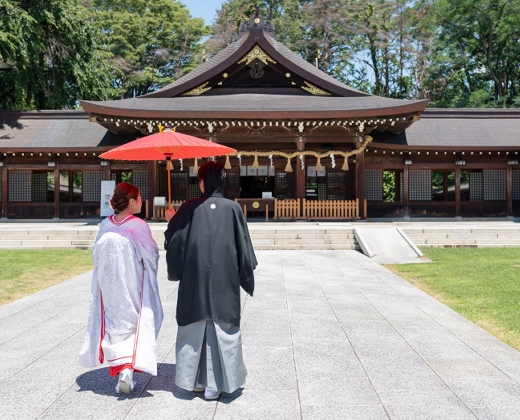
[[257, 12]]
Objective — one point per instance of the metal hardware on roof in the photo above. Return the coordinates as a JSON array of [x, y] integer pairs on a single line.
[[198, 90], [313, 89], [256, 53]]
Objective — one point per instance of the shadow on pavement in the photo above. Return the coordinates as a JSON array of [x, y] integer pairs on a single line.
[[100, 382]]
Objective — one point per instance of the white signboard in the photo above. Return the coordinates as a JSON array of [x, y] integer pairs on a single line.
[[107, 191]]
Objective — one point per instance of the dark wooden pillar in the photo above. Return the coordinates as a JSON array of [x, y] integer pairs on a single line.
[[360, 178], [509, 191], [57, 191], [152, 185], [5, 191], [300, 173], [406, 198], [444, 186], [457, 192]]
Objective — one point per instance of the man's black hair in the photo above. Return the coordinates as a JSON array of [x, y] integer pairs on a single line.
[[214, 176]]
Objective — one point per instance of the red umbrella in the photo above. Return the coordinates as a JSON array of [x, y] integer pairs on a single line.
[[167, 145]]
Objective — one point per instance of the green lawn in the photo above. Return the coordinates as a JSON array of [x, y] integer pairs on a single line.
[[23, 272], [482, 284]]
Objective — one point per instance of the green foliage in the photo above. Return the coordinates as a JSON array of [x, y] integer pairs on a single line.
[[28, 271], [48, 55], [389, 186], [150, 42]]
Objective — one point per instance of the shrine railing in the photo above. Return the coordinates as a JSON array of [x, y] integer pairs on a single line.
[[159, 212], [331, 209], [287, 209]]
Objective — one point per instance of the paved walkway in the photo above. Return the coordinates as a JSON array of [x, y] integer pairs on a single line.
[[328, 335]]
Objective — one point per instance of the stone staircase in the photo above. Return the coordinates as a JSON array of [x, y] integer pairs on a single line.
[[476, 237], [265, 236]]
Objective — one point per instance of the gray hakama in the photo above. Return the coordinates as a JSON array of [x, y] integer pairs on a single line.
[[210, 354]]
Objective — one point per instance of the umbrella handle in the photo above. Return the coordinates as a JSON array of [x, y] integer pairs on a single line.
[[169, 185]]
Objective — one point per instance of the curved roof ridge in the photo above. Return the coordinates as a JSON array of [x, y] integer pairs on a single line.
[[305, 65], [218, 58]]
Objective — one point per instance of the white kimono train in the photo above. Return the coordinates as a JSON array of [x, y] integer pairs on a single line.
[[125, 308]]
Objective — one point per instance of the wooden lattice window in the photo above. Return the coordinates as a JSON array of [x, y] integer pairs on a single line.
[[232, 187], [194, 190], [113, 176], [19, 184], [374, 185], [39, 187], [475, 186], [179, 185], [92, 185], [140, 179], [336, 189], [516, 184], [281, 185], [494, 184], [420, 185], [322, 188]]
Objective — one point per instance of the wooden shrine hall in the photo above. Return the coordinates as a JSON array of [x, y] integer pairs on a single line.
[[308, 146]]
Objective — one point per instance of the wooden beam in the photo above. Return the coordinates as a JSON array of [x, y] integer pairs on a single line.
[[5, 191], [457, 191], [152, 184], [406, 197], [509, 191], [360, 178], [57, 191]]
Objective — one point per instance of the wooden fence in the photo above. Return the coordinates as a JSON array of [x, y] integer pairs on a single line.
[[287, 209], [159, 212], [331, 209]]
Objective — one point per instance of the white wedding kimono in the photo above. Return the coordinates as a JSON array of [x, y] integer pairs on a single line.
[[125, 309]]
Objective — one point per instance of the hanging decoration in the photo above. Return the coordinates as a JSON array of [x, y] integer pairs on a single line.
[[288, 167], [196, 166], [289, 156], [182, 165], [227, 165], [319, 166], [255, 163], [317, 155]]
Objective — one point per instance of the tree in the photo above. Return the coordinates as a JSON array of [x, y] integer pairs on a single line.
[[477, 54], [48, 55], [283, 14], [151, 42]]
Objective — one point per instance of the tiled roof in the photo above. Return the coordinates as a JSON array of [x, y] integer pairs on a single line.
[[218, 58], [305, 65], [54, 131], [442, 128], [237, 106]]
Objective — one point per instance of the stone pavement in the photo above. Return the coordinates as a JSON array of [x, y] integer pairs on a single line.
[[328, 335]]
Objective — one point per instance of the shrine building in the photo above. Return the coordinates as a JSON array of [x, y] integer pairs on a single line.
[[307, 146]]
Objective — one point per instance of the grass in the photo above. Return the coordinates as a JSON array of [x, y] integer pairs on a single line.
[[481, 284], [27, 271]]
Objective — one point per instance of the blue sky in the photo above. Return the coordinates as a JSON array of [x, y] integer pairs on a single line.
[[206, 9]]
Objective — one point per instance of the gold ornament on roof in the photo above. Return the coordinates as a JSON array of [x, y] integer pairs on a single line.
[[255, 53], [313, 89], [198, 90]]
